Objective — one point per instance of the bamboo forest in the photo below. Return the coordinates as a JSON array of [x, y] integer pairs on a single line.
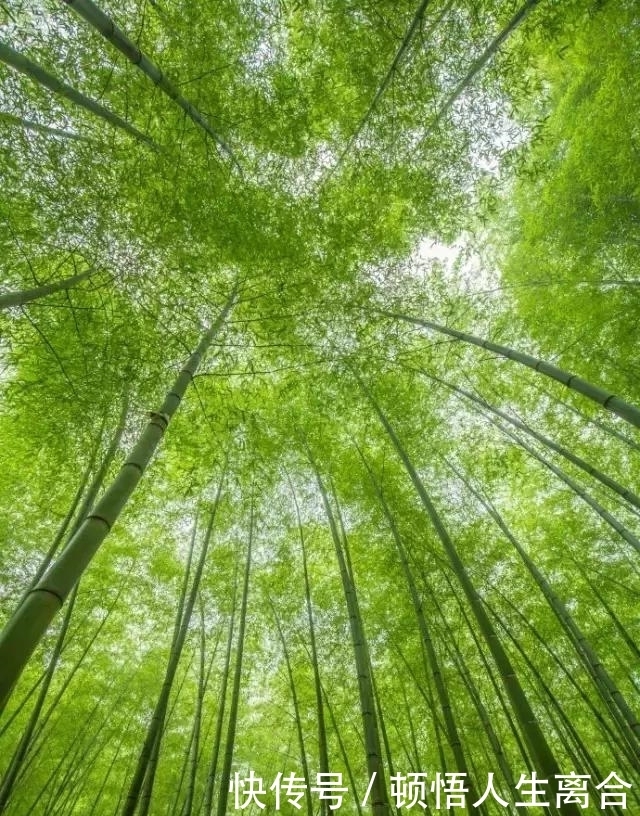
[[319, 407]]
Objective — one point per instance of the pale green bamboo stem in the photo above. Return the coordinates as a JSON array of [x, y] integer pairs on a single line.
[[622, 630], [149, 755], [38, 74], [604, 514], [607, 481], [23, 747], [547, 695], [25, 630], [98, 795], [474, 693], [193, 754], [426, 692], [480, 62], [378, 800], [59, 537], [343, 752], [451, 727], [593, 663], [223, 791], [110, 31], [525, 715], [606, 399], [528, 764], [222, 698], [36, 127], [296, 706], [26, 295], [323, 755]]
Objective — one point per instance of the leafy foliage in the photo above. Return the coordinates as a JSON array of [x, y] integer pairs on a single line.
[[388, 158]]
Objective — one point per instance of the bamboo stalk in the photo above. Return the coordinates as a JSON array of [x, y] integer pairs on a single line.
[[624, 492], [110, 31], [26, 295], [630, 413], [223, 791], [38, 74], [26, 628], [375, 766], [534, 736]]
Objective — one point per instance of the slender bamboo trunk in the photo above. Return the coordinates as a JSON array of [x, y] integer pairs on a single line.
[[38, 741], [194, 752], [416, 761], [20, 753], [222, 697], [580, 756], [604, 514], [439, 728], [323, 754], [62, 530], [343, 752], [147, 761], [492, 679], [26, 628], [624, 492], [480, 62], [15, 765], [27, 295], [141, 787], [534, 736], [82, 760], [587, 758], [597, 423], [383, 727], [375, 767], [110, 31], [602, 680], [79, 775], [467, 678], [38, 74], [296, 707], [174, 809], [146, 791], [98, 795], [630, 413], [410, 760], [176, 697], [16, 712], [412, 30], [621, 629], [426, 692], [453, 735], [223, 790], [36, 127], [49, 786]]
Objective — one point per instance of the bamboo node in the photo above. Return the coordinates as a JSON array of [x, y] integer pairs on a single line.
[[50, 592], [98, 517]]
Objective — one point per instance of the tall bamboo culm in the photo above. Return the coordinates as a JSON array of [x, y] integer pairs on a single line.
[[25, 629]]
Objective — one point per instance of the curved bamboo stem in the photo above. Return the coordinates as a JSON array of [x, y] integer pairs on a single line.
[[110, 31], [630, 413], [38, 74], [26, 628]]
